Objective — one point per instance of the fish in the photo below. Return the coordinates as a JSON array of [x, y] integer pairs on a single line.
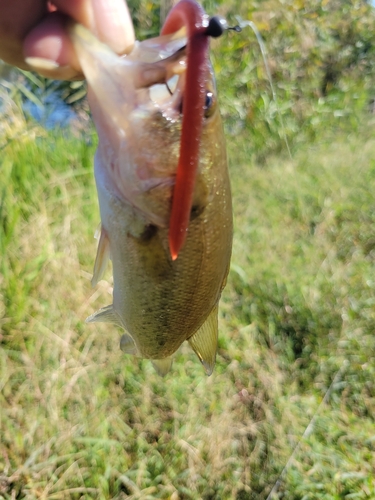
[[163, 187]]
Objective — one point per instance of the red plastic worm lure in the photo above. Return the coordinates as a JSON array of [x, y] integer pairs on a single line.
[[188, 14]]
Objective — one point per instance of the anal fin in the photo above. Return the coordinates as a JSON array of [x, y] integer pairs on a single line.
[[162, 366], [105, 315], [102, 257], [204, 341]]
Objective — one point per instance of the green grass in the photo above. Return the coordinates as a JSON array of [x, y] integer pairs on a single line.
[[78, 419]]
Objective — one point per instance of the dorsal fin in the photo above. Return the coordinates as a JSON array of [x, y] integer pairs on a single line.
[[204, 341]]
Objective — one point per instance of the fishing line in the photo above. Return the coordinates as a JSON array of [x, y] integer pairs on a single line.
[[242, 24], [217, 25], [310, 427]]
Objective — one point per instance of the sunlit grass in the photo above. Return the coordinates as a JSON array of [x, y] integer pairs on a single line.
[[78, 419]]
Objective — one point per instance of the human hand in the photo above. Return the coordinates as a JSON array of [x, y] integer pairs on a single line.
[[33, 33]]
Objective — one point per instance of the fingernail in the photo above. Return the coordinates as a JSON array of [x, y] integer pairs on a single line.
[[41, 64], [51, 69]]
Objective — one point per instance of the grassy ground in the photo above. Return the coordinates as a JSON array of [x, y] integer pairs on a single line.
[[78, 419]]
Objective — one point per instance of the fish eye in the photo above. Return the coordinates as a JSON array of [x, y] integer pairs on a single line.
[[209, 106]]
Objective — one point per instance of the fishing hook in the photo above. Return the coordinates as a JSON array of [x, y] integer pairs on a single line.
[[217, 25]]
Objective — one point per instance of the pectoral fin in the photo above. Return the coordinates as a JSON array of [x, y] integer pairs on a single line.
[[102, 257], [105, 315], [204, 341], [162, 366]]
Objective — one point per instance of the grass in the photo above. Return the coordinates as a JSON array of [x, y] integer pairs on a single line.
[[80, 420]]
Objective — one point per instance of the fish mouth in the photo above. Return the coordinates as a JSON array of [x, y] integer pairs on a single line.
[[150, 76], [164, 80], [167, 75]]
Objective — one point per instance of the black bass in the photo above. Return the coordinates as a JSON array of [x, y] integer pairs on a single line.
[[163, 187]]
